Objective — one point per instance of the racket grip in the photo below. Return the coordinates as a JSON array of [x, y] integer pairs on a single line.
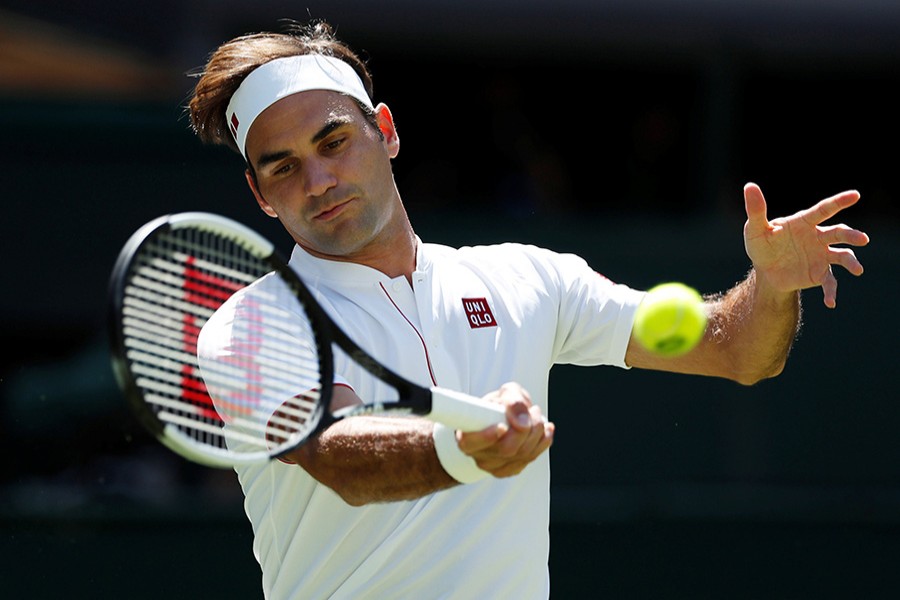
[[464, 412]]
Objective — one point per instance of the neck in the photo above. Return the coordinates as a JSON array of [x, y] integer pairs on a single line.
[[394, 254], [396, 258]]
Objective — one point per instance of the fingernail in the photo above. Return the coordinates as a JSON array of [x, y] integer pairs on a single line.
[[523, 419]]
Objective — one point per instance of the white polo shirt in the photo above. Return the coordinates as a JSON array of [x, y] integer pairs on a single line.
[[473, 319]]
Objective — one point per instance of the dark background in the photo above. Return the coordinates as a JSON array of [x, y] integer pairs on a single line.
[[622, 131]]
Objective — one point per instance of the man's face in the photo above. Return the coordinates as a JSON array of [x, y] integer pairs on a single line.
[[324, 171]]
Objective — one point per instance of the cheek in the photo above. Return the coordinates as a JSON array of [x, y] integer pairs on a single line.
[[378, 170], [279, 193]]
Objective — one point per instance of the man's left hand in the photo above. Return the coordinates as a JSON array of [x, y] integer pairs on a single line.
[[796, 252]]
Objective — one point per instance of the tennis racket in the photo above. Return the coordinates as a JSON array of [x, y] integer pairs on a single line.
[[272, 389]]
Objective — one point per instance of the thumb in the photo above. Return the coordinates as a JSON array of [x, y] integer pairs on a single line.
[[517, 401], [755, 205]]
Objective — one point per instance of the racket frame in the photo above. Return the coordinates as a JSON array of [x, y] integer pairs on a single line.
[[170, 434], [454, 409]]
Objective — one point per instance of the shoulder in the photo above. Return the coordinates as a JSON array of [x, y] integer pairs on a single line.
[[508, 254], [518, 267], [517, 261]]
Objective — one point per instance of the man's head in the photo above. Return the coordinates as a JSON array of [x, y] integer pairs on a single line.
[[233, 61], [297, 107]]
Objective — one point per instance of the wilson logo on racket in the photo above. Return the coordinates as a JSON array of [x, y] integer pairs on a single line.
[[478, 313]]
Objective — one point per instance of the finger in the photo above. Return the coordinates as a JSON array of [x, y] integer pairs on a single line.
[[519, 441], [526, 445], [846, 258], [829, 289], [519, 444], [545, 440], [474, 442], [500, 467], [827, 208], [518, 403], [755, 206], [841, 234]]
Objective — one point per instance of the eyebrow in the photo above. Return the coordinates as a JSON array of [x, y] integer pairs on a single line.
[[330, 125]]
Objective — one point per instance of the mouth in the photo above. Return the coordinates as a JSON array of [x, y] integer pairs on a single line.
[[333, 211]]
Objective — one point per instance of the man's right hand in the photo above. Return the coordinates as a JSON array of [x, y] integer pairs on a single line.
[[506, 449]]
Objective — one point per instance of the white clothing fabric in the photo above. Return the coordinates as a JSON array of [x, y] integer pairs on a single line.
[[473, 319]]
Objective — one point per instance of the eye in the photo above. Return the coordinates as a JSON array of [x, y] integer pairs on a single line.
[[283, 169], [334, 144]]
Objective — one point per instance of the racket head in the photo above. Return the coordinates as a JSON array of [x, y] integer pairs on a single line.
[[170, 278]]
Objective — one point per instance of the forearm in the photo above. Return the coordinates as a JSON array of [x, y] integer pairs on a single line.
[[753, 327], [375, 459]]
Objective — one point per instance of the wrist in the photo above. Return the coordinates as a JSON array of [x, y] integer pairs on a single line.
[[765, 290], [459, 465]]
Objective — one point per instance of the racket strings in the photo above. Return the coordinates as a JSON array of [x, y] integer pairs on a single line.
[[177, 282]]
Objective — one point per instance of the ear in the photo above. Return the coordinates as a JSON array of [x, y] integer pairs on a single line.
[[265, 206], [386, 124]]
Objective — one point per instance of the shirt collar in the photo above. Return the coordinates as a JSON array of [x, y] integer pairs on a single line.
[[313, 269]]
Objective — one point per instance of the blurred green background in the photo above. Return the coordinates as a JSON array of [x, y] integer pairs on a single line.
[[622, 131]]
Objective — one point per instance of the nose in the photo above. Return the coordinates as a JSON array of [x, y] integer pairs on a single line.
[[318, 178]]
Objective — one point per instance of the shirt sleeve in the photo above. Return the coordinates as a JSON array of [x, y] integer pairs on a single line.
[[595, 314]]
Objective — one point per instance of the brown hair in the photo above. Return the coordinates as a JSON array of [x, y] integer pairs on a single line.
[[234, 60]]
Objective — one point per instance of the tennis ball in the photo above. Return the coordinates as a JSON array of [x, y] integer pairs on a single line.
[[670, 320]]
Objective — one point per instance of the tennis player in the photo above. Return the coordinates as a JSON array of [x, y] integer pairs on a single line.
[[379, 507]]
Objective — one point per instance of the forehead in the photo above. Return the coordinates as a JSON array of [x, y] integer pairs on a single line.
[[298, 118]]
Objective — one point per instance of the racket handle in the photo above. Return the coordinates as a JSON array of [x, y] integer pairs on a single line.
[[464, 412]]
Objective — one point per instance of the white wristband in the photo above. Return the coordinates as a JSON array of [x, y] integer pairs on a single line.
[[459, 465]]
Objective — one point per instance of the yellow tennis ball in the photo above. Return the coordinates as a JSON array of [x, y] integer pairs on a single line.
[[671, 319]]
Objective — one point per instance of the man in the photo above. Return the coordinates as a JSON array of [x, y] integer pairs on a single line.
[[378, 507]]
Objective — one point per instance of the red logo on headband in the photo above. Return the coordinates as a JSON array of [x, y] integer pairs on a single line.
[[234, 124]]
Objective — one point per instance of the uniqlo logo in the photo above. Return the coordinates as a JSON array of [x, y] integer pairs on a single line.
[[479, 313]]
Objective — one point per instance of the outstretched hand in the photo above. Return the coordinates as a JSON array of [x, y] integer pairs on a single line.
[[796, 252]]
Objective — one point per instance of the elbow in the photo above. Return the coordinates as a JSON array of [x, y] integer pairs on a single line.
[[353, 499], [751, 377], [345, 485], [351, 494], [347, 489], [354, 490]]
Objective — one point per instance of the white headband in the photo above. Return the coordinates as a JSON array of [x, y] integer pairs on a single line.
[[281, 77]]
